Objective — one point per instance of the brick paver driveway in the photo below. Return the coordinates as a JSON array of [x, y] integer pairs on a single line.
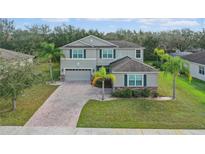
[[63, 107]]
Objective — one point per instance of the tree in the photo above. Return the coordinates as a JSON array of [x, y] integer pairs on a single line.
[[14, 78], [51, 53], [175, 66], [159, 52], [102, 75], [6, 29]]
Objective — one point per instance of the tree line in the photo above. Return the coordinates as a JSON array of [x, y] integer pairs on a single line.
[[29, 39]]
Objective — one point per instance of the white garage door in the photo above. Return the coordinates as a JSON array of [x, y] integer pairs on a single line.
[[77, 75]]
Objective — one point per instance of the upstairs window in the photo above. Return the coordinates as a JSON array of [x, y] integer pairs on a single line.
[[138, 54], [78, 53], [201, 70], [107, 54]]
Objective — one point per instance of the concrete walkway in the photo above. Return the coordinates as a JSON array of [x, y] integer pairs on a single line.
[[12, 130], [63, 107]]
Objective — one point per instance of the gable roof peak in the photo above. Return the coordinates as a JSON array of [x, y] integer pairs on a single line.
[[90, 41], [127, 64]]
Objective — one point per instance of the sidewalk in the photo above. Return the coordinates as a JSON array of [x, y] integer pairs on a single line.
[[13, 130]]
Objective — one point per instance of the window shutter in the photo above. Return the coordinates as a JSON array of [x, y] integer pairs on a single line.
[[100, 53], [125, 80], [145, 80], [114, 53], [71, 53], [84, 53]]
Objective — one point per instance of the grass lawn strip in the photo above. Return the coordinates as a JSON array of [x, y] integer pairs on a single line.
[[186, 112]]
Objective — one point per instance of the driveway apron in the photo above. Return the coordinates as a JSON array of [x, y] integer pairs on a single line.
[[63, 107]]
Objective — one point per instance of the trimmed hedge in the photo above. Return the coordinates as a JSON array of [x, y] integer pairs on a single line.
[[127, 93]]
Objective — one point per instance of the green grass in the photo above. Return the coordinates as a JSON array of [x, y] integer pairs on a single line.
[[31, 99], [187, 111], [44, 67], [27, 104]]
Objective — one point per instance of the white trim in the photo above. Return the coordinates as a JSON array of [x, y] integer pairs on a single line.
[[66, 68], [142, 75], [107, 54], [136, 72], [78, 68], [89, 44], [75, 42], [194, 62], [136, 54], [201, 70], [74, 68], [100, 48], [78, 58], [78, 49]]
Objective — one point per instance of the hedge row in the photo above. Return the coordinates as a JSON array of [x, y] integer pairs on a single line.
[[127, 93]]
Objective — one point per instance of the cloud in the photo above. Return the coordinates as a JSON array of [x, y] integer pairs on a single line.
[[109, 19], [55, 19], [151, 21], [181, 23], [169, 22]]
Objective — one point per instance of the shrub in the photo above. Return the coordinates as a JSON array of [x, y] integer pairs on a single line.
[[124, 93], [127, 93], [154, 94], [137, 93], [145, 92], [156, 64]]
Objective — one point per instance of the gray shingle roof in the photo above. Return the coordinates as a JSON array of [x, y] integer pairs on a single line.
[[128, 64], [12, 55], [95, 42], [198, 57], [125, 44]]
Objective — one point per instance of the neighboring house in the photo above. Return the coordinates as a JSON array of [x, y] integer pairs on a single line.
[[122, 58], [197, 64], [180, 53], [13, 56], [195, 50]]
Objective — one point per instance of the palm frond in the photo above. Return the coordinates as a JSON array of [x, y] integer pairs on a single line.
[[95, 80], [111, 76]]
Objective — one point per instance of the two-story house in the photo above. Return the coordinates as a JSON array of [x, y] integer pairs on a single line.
[[122, 58]]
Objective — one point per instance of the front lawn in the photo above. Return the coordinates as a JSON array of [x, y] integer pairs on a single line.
[[27, 104], [188, 111], [31, 99]]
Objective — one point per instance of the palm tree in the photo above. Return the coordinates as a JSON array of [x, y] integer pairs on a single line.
[[175, 66], [51, 53], [102, 75]]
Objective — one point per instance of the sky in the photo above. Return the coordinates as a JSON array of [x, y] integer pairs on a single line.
[[112, 24]]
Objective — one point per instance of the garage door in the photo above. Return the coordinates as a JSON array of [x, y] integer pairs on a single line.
[[77, 75]]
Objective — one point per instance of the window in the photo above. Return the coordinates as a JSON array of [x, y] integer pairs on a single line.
[[135, 80], [138, 54], [78, 53], [107, 53], [201, 70], [131, 80]]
